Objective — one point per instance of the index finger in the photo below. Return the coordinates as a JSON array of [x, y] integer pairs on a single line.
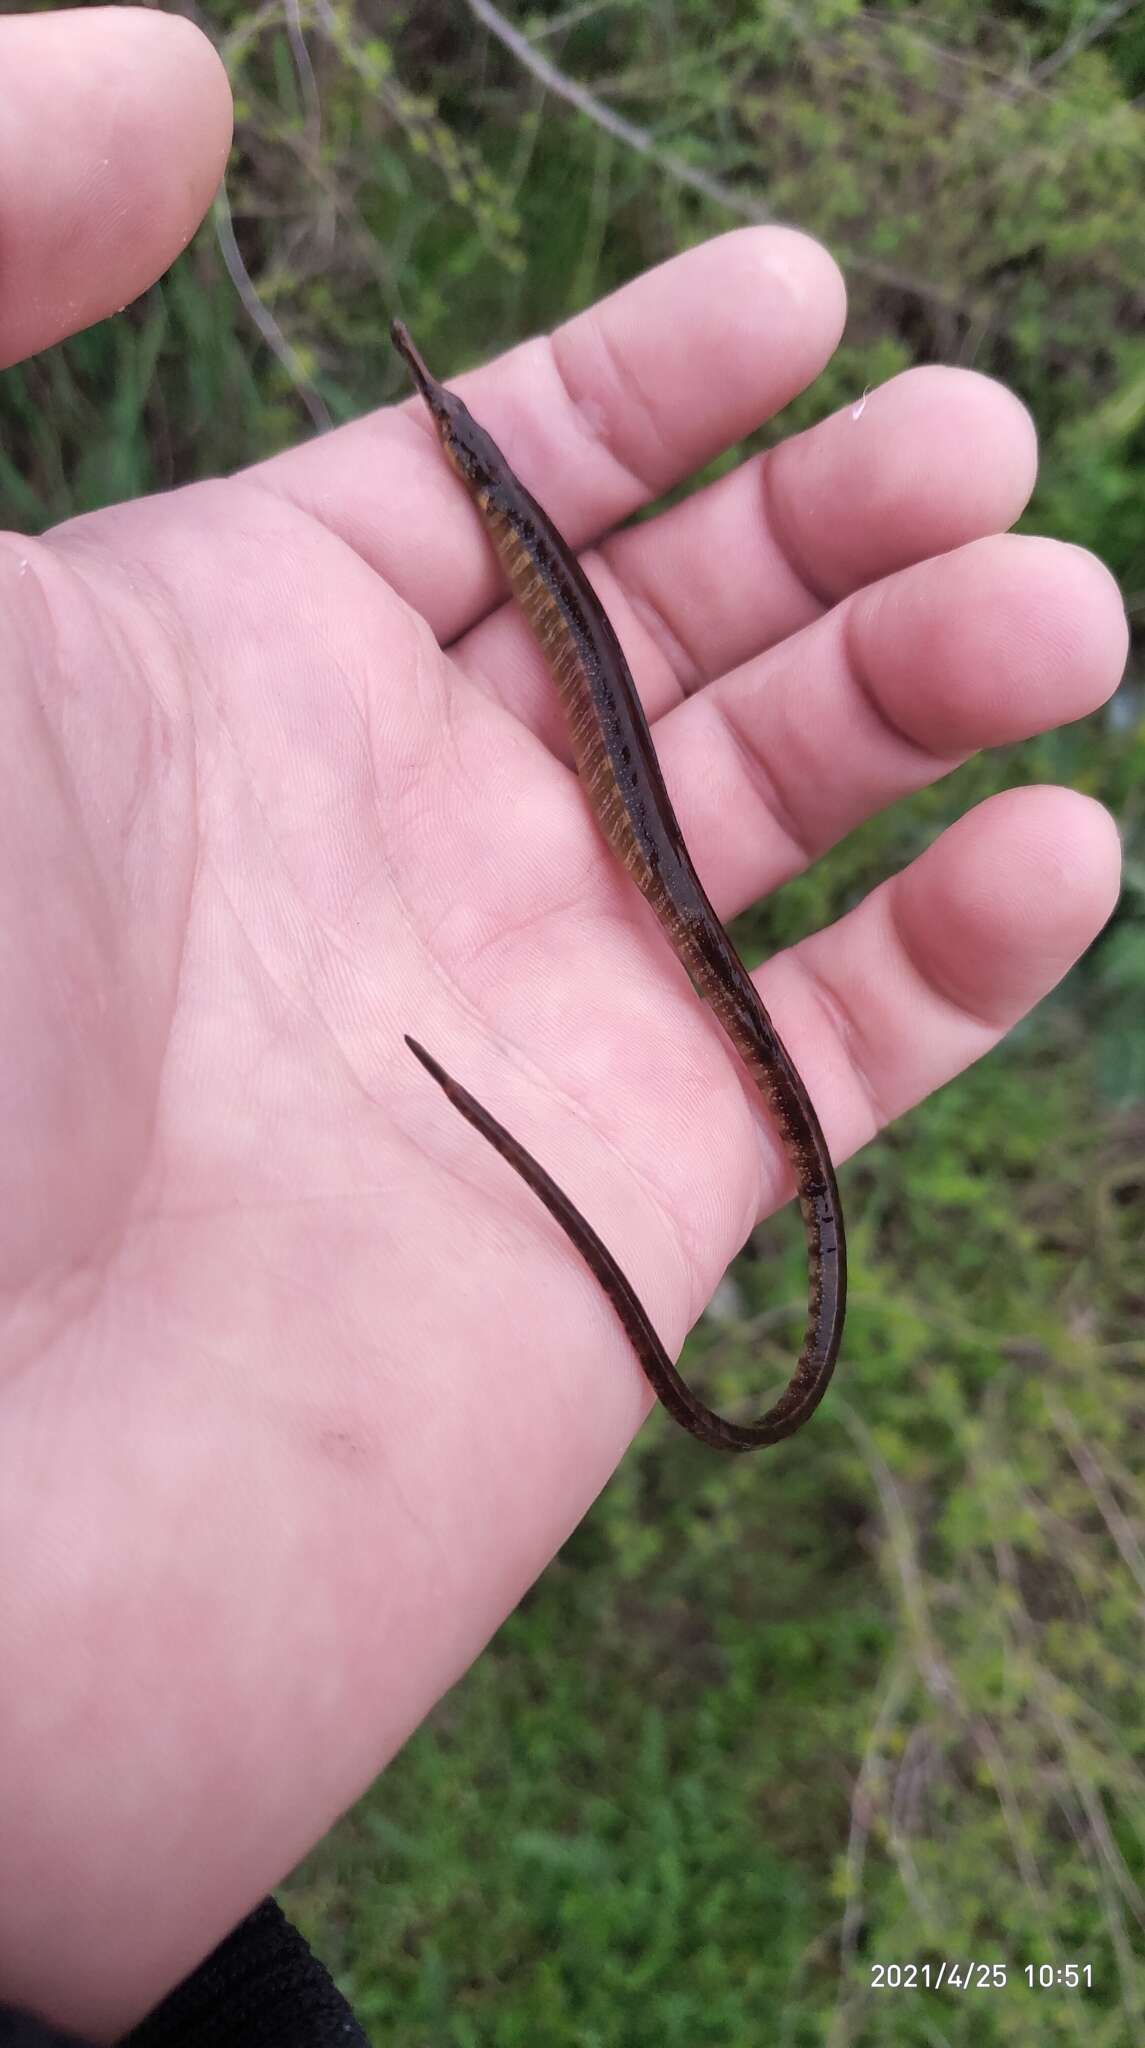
[[598, 419]]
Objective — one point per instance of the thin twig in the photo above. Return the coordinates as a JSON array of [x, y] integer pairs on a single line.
[[263, 319], [1114, 1878], [1008, 86], [1117, 1523], [1080, 38], [911, 1780], [933, 1669], [305, 71], [559, 24], [605, 117], [729, 197], [311, 148], [864, 1803], [993, 1756]]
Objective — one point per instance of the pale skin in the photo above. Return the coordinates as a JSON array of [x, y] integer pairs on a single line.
[[299, 1389]]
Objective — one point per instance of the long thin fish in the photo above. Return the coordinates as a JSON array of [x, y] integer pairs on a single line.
[[617, 763]]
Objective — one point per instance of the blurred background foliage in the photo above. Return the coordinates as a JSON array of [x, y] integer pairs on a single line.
[[877, 1697]]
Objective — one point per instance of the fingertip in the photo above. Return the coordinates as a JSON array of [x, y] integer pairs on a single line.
[[806, 270], [788, 296], [1092, 623], [991, 421], [195, 63], [923, 464], [141, 127], [1001, 907], [971, 436], [1080, 855]]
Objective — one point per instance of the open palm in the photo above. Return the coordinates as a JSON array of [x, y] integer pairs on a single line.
[[299, 1388]]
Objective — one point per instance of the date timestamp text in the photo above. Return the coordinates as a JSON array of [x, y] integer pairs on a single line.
[[954, 1976]]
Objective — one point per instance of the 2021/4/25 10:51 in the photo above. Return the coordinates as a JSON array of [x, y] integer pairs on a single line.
[[979, 1976]]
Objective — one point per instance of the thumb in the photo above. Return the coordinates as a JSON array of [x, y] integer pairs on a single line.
[[115, 130]]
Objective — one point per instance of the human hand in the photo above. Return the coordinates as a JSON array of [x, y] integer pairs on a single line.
[[299, 1388]]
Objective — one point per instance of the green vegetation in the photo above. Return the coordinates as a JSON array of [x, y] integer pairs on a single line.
[[878, 1698], [885, 1692]]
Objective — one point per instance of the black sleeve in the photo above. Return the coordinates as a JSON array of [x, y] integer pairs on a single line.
[[262, 1988]]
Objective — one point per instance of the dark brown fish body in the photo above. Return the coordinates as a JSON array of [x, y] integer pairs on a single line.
[[617, 764]]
